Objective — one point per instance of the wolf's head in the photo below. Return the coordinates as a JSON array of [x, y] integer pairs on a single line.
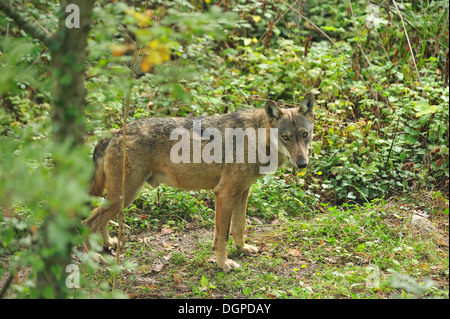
[[295, 129]]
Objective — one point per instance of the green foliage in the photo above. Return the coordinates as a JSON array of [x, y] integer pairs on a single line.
[[412, 289], [31, 190], [328, 255]]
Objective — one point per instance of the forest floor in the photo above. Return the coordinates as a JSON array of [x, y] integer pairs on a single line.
[[386, 249], [396, 248]]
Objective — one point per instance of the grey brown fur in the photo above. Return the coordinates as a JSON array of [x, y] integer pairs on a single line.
[[148, 160]]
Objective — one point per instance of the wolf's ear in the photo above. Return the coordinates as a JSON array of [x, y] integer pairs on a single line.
[[307, 106], [273, 112]]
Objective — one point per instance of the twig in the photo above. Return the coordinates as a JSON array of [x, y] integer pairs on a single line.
[[278, 20], [264, 225], [367, 59], [359, 38], [6, 285], [9, 280], [392, 144], [409, 43], [342, 228], [7, 27], [329, 39], [124, 166], [25, 25], [387, 8]]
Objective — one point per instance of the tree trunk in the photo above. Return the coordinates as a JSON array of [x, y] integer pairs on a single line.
[[69, 101], [68, 58]]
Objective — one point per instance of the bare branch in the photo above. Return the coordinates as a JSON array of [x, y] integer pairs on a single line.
[[27, 26], [409, 43]]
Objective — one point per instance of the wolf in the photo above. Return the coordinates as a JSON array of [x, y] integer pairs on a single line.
[[150, 158]]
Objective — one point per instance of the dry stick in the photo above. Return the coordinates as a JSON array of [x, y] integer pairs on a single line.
[[359, 40], [437, 45], [382, 45], [7, 30], [29, 27], [368, 62], [392, 144], [396, 13], [342, 228], [436, 51], [124, 166], [374, 92], [278, 20], [409, 43], [5, 287]]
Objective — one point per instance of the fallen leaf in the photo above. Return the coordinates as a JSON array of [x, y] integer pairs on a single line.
[[212, 259], [145, 239], [436, 267], [189, 226], [295, 252], [257, 220], [331, 260], [166, 258], [157, 267], [166, 231], [184, 288]]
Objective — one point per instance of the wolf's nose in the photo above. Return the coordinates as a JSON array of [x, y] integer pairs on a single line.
[[302, 164]]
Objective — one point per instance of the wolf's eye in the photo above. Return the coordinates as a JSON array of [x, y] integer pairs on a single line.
[[284, 137], [305, 134]]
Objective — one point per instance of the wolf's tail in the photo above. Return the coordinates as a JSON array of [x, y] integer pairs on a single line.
[[98, 179]]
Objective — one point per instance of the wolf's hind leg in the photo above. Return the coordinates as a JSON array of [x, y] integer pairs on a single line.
[[101, 216]]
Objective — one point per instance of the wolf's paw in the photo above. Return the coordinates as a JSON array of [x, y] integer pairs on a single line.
[[249, 250], [98, 258], [228, 265], [110, 244]]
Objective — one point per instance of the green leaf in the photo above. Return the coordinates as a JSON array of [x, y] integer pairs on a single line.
[[180, 94], [424, 107], [329, 28], [204, 282], [48, 293]]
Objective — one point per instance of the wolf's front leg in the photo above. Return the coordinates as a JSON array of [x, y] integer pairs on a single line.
[[225, 204], [238, 225], [222, 261], [108, 242]]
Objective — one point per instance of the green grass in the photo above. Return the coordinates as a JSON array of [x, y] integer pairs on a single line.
[[317, 251]]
